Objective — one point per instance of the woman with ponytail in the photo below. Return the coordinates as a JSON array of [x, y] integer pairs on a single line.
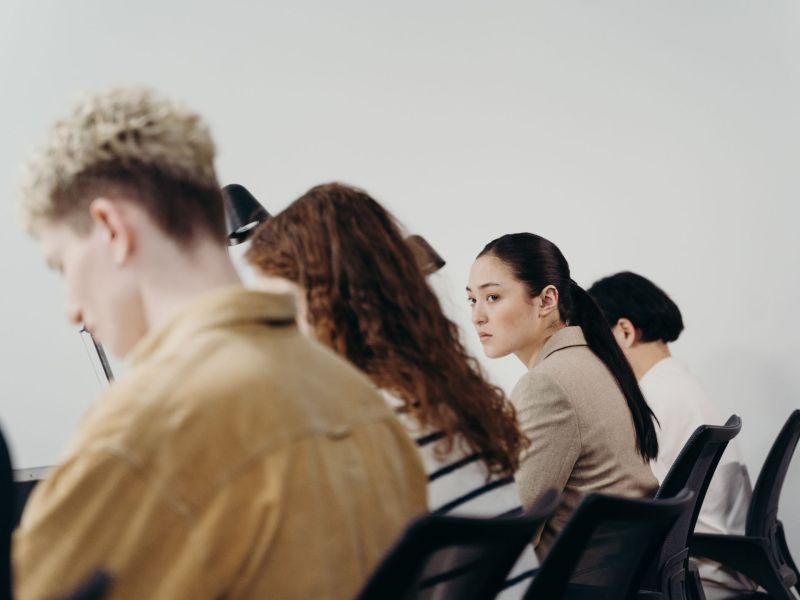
[[589, 426]]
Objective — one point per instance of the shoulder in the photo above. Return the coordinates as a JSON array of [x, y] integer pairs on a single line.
[[673, 392], [670, 373], [582, 378], [544, 406], [235, 389], [671, 381], [539, 386], [566, 370], [568, 363]]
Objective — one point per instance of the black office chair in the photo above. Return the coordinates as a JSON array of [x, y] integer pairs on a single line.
[[7, 501], [605, 547], [455, 557], [671, 576], [761, 553]]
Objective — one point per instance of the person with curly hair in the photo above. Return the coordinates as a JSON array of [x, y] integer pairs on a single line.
[[361, 292], [199, 473]]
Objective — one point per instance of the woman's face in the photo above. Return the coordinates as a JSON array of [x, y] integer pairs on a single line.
[[505, 316]]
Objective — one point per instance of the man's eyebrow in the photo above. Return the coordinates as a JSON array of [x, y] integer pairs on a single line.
[[485, 285]]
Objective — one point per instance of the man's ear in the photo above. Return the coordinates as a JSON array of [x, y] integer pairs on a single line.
[[112, 220], [549, 300], [629, 334]]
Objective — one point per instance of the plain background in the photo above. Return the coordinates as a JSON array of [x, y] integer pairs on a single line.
[[660, 137]]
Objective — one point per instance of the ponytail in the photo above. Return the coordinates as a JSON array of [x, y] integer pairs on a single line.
[[586, 314]]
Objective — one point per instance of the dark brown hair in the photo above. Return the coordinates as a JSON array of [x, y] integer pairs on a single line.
[[368, 300], [630, 296]]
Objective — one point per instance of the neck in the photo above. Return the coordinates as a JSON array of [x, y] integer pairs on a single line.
[[644, 356], [181, 275], [530, 353]]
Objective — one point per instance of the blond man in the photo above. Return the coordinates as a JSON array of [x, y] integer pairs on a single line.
[[236, 458]]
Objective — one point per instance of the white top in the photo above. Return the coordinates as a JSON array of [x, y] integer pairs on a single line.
[[458, 485], [681, 406]]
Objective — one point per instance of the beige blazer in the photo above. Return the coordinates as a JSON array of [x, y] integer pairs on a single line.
[[581, 431]]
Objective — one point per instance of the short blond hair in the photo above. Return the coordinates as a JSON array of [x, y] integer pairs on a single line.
[[132, 142]]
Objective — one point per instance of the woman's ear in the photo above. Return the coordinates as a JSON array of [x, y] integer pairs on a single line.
[[548, 299], [626, 333], [117, 231]]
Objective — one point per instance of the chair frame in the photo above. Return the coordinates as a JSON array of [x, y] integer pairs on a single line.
[[399, 573], [672, 576], [553, 577], [762, 553]]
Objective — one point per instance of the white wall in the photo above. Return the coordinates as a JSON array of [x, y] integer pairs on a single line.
[[661, 137]]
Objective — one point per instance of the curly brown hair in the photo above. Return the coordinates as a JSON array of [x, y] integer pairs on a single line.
[[368, 300]]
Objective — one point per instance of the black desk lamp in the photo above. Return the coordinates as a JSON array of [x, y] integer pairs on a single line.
[[427, 258], [243, 212]]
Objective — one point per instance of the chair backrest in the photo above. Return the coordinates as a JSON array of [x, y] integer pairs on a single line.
[[762, 514], [442, 556], [693, 469], [606, 546], [6, 517]]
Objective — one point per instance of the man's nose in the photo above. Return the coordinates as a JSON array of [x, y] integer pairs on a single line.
[[74, 314]]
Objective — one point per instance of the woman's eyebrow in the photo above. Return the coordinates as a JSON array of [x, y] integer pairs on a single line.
[[485, 285]]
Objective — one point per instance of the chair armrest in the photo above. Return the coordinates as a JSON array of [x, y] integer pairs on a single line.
[[745, 554], [730, 550]]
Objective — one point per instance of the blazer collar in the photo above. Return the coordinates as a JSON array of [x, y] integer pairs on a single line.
[[563, 338], [228, 306]]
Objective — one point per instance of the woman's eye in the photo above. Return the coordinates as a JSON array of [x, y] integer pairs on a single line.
[[470, 301], [492, 298]]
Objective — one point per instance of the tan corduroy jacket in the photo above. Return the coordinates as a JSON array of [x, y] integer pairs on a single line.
[[236, 459], [581, 431]]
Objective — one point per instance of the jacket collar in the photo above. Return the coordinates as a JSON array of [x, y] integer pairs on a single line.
[[224, 307], [563, 338]]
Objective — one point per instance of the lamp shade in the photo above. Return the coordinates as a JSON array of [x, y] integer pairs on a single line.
[[242, 211], [427, 258]]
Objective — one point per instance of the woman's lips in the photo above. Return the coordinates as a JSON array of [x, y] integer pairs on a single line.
[[484, 336]]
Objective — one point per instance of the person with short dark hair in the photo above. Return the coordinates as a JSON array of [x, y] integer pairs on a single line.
[[644, 320], [637, 308], [235, 458]]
